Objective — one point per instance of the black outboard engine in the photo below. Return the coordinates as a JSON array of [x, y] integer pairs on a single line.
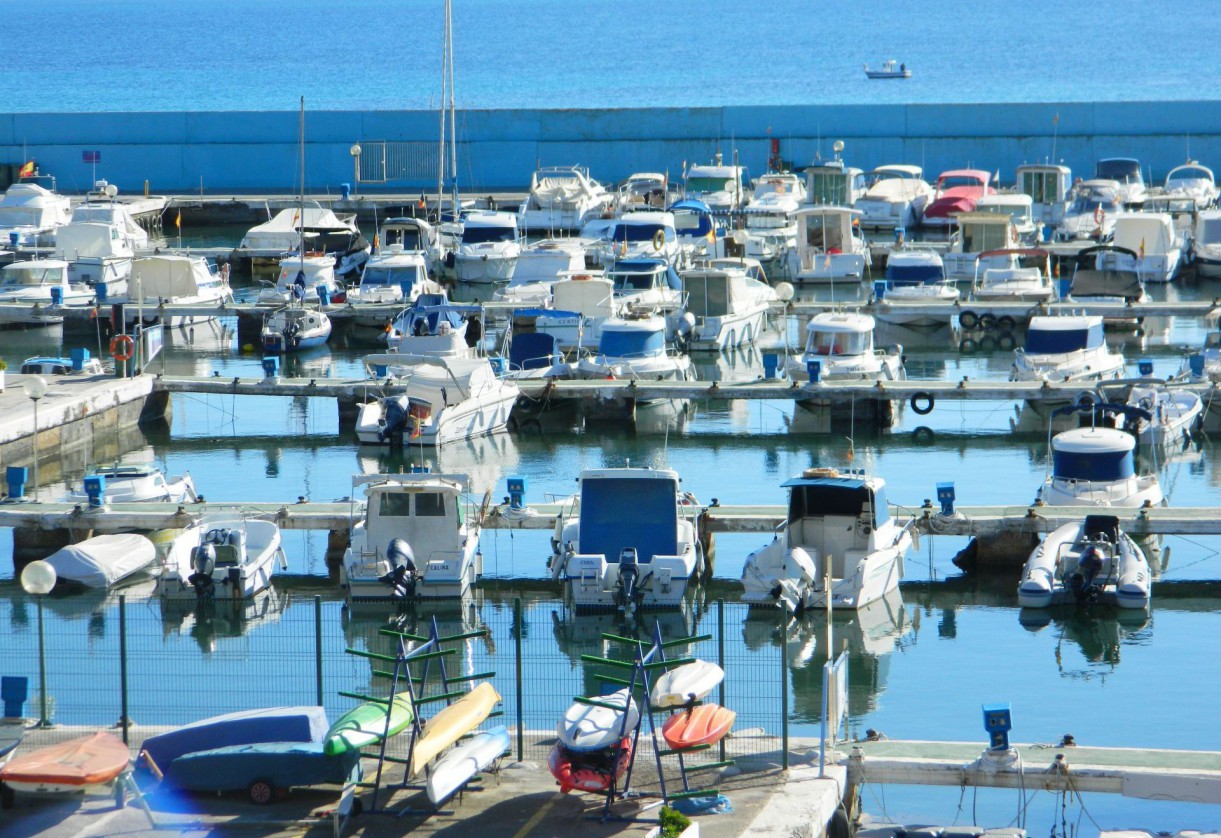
[[1084, 582], [629, 579], [203, 562], [402, 577], [396, 416]]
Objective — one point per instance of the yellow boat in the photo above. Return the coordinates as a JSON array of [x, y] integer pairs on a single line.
[[452, 723]]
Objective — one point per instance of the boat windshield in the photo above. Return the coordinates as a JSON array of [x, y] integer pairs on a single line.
[[17, 276], [634, 281], [1208, 231], [375, 276], [640, 232], [20, 217], [1058, 341], [700, 185], [1191, 175], [408, 237], [818, 499], [1093, 465], [960, 181], [838, 343], [484, 235], [1124, 171], [633, 344], [907, 275]]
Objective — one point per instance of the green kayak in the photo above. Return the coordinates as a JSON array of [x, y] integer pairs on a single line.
[[366, 723]]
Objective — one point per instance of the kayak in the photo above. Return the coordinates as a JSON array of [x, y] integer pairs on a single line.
[[688, 682], [69, 766], [589, 770], [451, 724], [465, 761], [365, 724], [585, 727], [703, 725]]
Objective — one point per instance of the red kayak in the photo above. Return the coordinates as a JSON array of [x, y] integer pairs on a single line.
[[589, 770], [69, 766], [706, 724]]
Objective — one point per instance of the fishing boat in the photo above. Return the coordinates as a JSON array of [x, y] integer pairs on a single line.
[[1155, 243], [407, 235], [724, 308], [627, 540], [97, 257], [221, 557], [1065, 348], [455, 768], [917, 280], [840, 526], [589, 301], [76, 765], [1089, 562], [390, 276], [890, 69], [101, 207], [562, 198], [414, 536], [1096, 466], [139, 484], [977, 232], [536, 354], [719, 185], [634, 348], [771, 229], [102, 561], [829, 245], [841, 343], [447, 399], [645, 284], [294, 328], [1049, 186]]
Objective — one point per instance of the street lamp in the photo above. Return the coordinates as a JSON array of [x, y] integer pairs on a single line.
[[37, 579], [355, 152], [35, 387]]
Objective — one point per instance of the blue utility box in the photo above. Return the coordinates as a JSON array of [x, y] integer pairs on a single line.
[[945, 496], [998, 720]]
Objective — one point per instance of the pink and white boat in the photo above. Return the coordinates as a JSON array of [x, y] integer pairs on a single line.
[[958, 190]]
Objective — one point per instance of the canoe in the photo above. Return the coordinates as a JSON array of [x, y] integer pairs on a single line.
[[451, 724], [588, 728], [69, 766], [688, 682], [589, 770], [103, 560], [703, 725], [245, 727], [464, 762], [365, 724]]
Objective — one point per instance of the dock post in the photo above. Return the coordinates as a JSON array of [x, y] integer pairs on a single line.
[[784, 687], [720, 659], [517, 676], [318, 646], [123, 720]]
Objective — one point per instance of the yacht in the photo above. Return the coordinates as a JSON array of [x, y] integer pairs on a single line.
[[562, 198], [1206, 243], [1191, 180], [1087, 562], [404, 234], [1126, 172], [97, 256], [829, 246], [724, 308], [390, 276], [786, 184], [956, 191], [698, 234], [489, 247], [322, 230], [180, 280], [841, 343], [1091, 215], [1106, 273], [917, 279], [1065, 348], [539, 266], [1153, 239], [1049, 186], [643, 191], [31, 214], [43, 286], [722, 187], [896, 197], [301, 278], [115, 215], [645, 234], [770, 227], [1158, 415], [1096, 466], [1024, 276]]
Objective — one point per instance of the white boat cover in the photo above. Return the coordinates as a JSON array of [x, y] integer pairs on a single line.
[[168, 277], [103, 560]]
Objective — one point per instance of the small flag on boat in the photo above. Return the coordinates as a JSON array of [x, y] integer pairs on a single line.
[[1142, 248], [178, 220], [826, 263], [26, 170]]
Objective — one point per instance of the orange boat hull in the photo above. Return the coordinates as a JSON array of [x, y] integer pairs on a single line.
[[75, 764], [706, 724]]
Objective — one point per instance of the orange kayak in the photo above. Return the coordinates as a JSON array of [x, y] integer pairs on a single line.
[[68, 766], [702, 725]]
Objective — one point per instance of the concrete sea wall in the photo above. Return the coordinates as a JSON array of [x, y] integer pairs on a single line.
[[220, 152]]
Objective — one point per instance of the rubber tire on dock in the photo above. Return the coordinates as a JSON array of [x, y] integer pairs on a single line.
[[922, 403], [987, 320], [968, 319], [1006, 323], [1006, 342]]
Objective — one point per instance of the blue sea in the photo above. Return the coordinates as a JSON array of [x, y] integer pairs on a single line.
[[236, 55]]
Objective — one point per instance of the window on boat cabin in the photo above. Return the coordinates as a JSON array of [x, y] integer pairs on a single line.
[[707, 296], [827, 188], [640, 232], [1059, 341], [25, 277], [1208, 231], [838, 343], [633, 281], [900, 276], [631, 344], [1120, 169], [485, 235], [709, 184], [1093, 465], [391, 277], [824, 233], [960, 182], [1042, 187], [394, 505], [977, 238], [429, 505], [818, 499], [20, 217]]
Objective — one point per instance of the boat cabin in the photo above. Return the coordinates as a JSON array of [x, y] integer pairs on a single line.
[[1062, 335], [1093, 455], [831, 182], [839, 333], [406, 234], [424, 509], [834, 514], [485, 227], [1049, 187], [635, 276]]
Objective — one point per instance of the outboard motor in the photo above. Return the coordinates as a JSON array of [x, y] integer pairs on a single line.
[[396, 416], [203, 562], [629, 579], [1084, 582], [402, 577]]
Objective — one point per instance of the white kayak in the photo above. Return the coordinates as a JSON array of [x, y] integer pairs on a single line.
[[589, 728], [465, 761], [691, 681]]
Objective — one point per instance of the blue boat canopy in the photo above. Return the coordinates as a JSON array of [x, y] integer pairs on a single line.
[[633, 344], [533, 351], [901, 275], [620, 512], [1096, 466], [1059, 341]]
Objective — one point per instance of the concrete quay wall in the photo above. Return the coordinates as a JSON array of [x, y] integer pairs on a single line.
[[223, 152]]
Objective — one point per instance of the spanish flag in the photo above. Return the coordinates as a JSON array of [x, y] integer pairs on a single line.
[[178, 220], [27, 170]]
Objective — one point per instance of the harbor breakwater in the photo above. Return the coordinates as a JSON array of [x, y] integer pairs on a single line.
[[229, 151]]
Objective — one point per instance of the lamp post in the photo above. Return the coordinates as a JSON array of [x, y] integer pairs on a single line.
[[355, 152], [37, 579], [35, 387]]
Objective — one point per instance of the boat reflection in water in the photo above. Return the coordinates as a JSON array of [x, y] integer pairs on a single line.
[[208, 621], [485, 460], [869, 634], [1089, 641]]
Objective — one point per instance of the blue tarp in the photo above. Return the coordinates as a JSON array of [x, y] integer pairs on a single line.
[[900, 275], [618, 512], [1058, 341]]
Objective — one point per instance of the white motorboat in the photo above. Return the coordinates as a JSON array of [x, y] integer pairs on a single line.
[[1191, 180], [589, 300], [102, 561], [917, 279], [890, 69], [1206, 243], [698, 232], [31, 214], [43, 285], [1025, 277], [786, 184], [841, 343], [1096, 466], [832, 183], [539, 266], [390, 276], [97, 257], [1049, 186], [1068, 348], [489, 247], [645, 285], [179, 280], [896, 197], [1159, 415], [627, 540], [403, 234], [1107, 274], [413, 536], [221, 557], [1157, 245], [976, 233], [1126, 172], [838, 525], [957, 191], [1091, 215], [1020, 209], [634, 348], [1086, 563], [432, 326], [771, 228], [829, 245], [50, 365], [719, 185], [114, 215], [643, 191], [562, 198], [323, 232], [645, 234], [304, 279], [447, 399], [294, 328], [724, 308], [140, 484]]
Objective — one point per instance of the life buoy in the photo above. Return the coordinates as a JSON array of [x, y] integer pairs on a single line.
[[659, 239], [122, 347], [922, 403]]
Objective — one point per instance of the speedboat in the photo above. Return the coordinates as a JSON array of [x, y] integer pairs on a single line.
[[1152, 237], [1125, 171], [646, 234], [841, 342], [785, 184], [645, 284], [1020, 209], [44, 286], [139, 484], [114, 215], [1049, 186], [643, 191], [1023, 279], [890, 69], [957, 191], [725, 308], [1068, 348], [562, 198], [301, 278], [829, 245], [179, 280], [588, 299], [404, 234], [432, 326], [1086, 563], [634, 348], [293, 328], [31, 214], [489, 247], [50, 365], [1191, 180], [1096, 466], [227, 557], [447, 399], [1107, 274], [896, 197], [978, 232], [414, 536], [1158, 415], [97, 257], [1091, 215], [722, 187], [539, 266], [839, 526], [627, 540], [1206, 243], [916, 279], [311, 229]]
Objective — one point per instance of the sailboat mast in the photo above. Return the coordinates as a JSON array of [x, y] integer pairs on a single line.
[[444, 84], [301, 197], [453, 134]]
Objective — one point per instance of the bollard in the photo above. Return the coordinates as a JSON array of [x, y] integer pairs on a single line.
[[771, 363], [16, 477]]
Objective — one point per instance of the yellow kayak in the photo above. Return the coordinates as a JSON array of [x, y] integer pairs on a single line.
[[452, 723]]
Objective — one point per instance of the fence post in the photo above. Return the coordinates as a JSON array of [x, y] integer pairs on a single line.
[[318, 646], [784, 687], [123, 665], [720, 659], [521, 735]]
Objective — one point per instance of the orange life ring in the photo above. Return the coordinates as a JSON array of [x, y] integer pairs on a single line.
[[122, 347]]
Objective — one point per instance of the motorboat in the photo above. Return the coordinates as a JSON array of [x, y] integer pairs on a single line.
[[432, 326], [1096, 466], [102, 561], [956, 191], [698, 233], [829, 245], [413, 536], [539, 266], [722, 187], [1126, 172], [771, 230], [404, 234], [841, 343], [650, 284], [724, 308], [838, 525], [834, 183], [978, 232], [390, 276], [43, 286], [1206, 243], [1049, 186], [890, 69], [179, 280], [645, 234], [97, 257], [301, 278], [1191, 180], [139, 484], [1158, 415], [1158, 246], [1106, 273], [895, 197], [446, 399], [917, 279], [294, 328], [1065, 348], [1088, 562], [785, 184], [322, 230], [1020, 209], [634, 348], [589, 300], [31, 214], [562, 198], [627, 540], [644, 191], [1204, 365], [489, 247], [115, 215], [52, 365], [1025, 277], [221, 557], [536, 354], [1092, 212]]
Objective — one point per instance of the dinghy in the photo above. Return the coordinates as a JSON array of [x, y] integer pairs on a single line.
[[689, 682], [706, 724], [75, 765], [468, 759], [1086, 563], [452, 723], [592, 771], [365, 724], [262, 768], [103, 560], [245, 727], [588, 727]]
